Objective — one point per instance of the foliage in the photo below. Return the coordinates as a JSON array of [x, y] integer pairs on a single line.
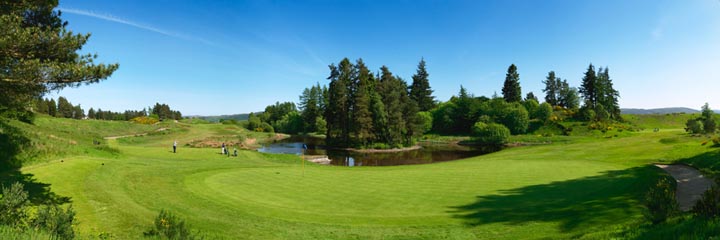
[[420, 91], [515, 118], [55, 221], [426, 119], [13, 204], [163, 111], [543, 112], [490, 133], [599, 94], [144, 120], [660, 201], [552, 89], [511, 88], [694, 126], [312, 105], [709, 205], [169, 226], [362, 109], [39, 54], [291, 123], [705, 123]]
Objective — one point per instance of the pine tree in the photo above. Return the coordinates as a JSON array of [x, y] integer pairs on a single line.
[[511, 88], [52, 108], [589, 88], [78, 112], [568, 96], [337, 114], [361, 120], [551, 89], [607, 95], [91, 113], [40, 55], [41, 106], [65, 108], [391, 91], [531, 96], [310, 108], [420, 90]]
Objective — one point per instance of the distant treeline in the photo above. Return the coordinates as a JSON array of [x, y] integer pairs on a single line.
[[63, 108]]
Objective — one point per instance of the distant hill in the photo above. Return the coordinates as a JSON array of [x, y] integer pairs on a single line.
[[238, 117], [658, 110]]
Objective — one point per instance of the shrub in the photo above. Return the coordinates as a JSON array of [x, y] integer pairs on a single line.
[[56, 221], [660, 201], [709, 204], [167, 225], [13, 204], [544, 112], [144, 120], [516, 119], [694, 126], [490, 133]]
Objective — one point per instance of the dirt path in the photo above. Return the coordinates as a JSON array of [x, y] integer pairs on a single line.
[[690, 184], [133, 135]]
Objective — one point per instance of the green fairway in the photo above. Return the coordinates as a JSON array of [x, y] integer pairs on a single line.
[[583, 187]]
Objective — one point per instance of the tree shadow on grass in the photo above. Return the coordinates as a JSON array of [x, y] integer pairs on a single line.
[[608, 198], [12, 141]]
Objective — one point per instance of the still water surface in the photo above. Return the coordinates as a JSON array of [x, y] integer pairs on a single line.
[[429, 153]]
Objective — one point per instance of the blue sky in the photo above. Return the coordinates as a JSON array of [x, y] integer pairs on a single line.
[[226, 57]]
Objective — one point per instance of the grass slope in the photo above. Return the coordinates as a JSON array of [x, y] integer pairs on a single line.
[[579, 188]]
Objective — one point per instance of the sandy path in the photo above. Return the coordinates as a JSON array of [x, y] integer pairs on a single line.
[[691, 184]]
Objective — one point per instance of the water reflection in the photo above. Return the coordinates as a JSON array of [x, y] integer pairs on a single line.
[[429, 153]]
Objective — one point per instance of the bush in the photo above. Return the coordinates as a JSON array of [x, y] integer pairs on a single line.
[[660, 201], [516, 119], [167, 225], [144, 120], [694, 126], [543, 112], [13, 205], [709, 204], [56, 221], [490, 133], [426, 119]]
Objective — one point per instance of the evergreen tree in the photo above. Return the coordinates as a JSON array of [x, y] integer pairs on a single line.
[[361, 120], [568, 96], [310, 104], [420, 90], [589, 88], [91, 114], [78, 112], [531, 96], [607, 95], [391, 91], [552, 90], [337, 114], [65, 108], [52, 108], [41, 106], [511, 88], [39, 54]]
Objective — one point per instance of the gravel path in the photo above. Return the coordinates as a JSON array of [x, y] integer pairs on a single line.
[[691, 184]]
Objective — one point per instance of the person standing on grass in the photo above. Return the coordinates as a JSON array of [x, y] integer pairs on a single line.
[[223, 148], [175, 146], [235, 152]]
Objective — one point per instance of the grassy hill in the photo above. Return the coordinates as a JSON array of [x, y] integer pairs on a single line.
[[658, 110], [581, 187]]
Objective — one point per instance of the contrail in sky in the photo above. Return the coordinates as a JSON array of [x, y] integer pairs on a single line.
[[112, 18]]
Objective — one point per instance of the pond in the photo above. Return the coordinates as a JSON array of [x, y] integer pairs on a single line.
[[428, 153]]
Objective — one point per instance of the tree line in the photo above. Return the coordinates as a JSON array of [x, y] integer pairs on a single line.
[[64, 109], [361, 109]]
